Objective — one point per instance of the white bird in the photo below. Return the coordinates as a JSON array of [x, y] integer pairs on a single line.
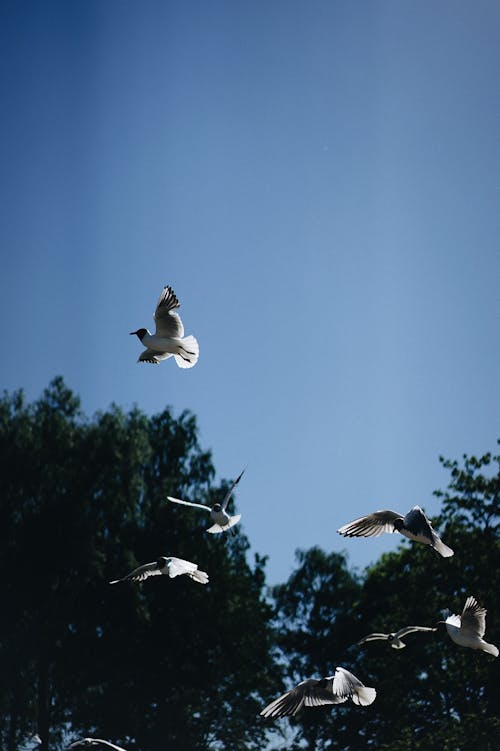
[[86, 742], [334, 689], [468, 629], [168, 337], [415, 526], [218, 514], [169, 566], [395, 640]]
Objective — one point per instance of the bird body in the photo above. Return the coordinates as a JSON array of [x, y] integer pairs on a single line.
[[168, 338], [415, 526], [395, 639], [170, 567], [222, 521], [468, 629], [334, 689]]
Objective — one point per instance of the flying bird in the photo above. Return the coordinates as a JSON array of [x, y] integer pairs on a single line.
[[169, 566], [334, 689], [468, 629], [86, 742], [168, 337], [218, 514], [415, 526], [395, 640]]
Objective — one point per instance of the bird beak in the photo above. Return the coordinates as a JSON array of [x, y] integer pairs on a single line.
[[133, 332]]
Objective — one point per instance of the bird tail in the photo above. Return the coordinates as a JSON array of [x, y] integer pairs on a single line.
[[490, 648], [441, 548], [216, 528], [364, 695], [199, 576], [189, 352]]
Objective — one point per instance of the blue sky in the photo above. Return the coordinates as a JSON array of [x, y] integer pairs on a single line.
[[320, 184]]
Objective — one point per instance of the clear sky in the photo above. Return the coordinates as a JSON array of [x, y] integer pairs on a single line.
[[320, 184]]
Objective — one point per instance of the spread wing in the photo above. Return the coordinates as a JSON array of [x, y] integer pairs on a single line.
[[371, 525], [177, 566], [230, 491], [168, 322], [139, 574], [411, 630], [84, 742], [372, 637], [473, 618], [309, 693], [347, 686], [417, 523], [188, 503]]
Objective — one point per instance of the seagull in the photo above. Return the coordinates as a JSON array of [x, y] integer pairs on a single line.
[[218, 514], [85, 742], [395, 640], [168, 566], [167, 339], [468, 629], [334, 689], [415, 526]]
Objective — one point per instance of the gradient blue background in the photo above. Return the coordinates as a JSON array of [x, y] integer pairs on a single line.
[[320, 184]]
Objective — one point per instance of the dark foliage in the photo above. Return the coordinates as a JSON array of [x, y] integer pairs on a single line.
[[431, 695], [163, 664]]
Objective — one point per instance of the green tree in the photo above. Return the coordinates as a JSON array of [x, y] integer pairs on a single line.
[[316, 612], [167, 663], [432, 694]]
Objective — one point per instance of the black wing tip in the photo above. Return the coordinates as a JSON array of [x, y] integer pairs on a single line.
[[170, 298]]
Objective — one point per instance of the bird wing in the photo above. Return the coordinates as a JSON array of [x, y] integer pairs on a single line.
[[168, 322], [150, 355], [188, 503], [416, 522], [93, 742], [177, 566], [230, 491], [310, 693], [347, 686], [139, 574], [473, 618], [416, 526], [372, 637], [371, 525], [453, 620], [345, 683], [411, 629]]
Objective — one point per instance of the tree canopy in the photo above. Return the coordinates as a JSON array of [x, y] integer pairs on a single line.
[[171, 664], [162, 663], [432, 694]]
